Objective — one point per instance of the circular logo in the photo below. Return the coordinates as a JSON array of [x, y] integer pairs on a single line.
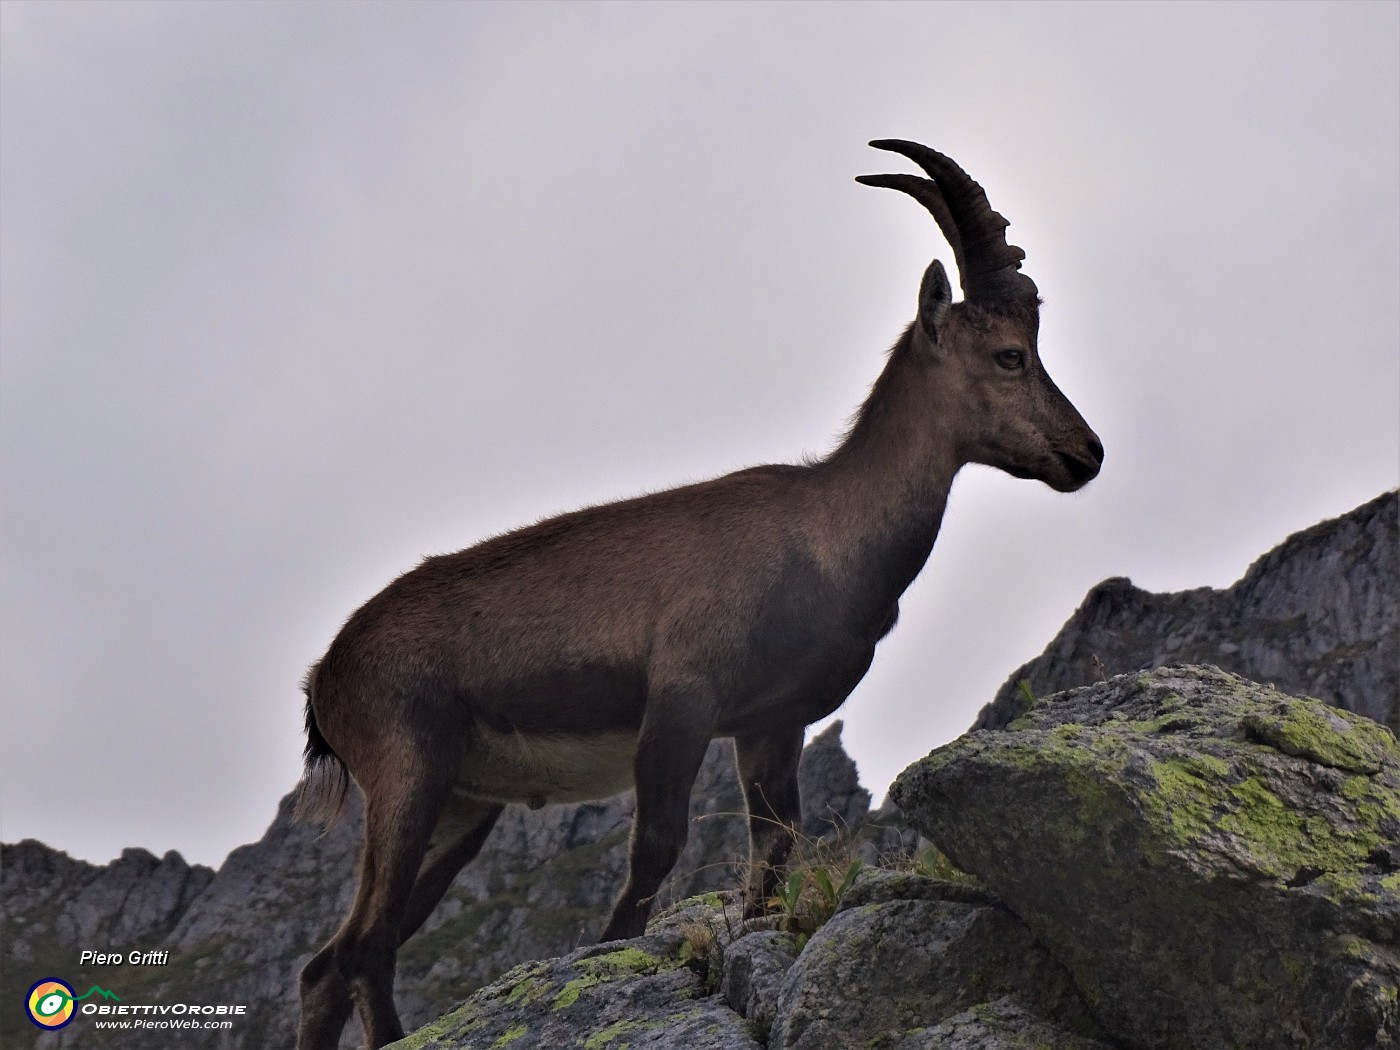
[[50, 1003]]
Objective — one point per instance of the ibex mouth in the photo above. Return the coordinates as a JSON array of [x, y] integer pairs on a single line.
[[1081, 471]]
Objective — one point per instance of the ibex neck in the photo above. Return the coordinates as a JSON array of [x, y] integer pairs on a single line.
[[885, 487]]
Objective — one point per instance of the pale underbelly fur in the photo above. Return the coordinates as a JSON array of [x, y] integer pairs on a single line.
[[516, 767]]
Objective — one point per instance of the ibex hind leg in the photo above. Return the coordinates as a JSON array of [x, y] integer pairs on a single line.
[[358, 964], [325, 1002], [461, 831]]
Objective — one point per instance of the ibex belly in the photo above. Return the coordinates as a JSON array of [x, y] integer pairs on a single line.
[[539, 769]]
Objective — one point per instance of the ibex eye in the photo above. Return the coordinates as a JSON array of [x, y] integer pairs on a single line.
[[1011, 360]]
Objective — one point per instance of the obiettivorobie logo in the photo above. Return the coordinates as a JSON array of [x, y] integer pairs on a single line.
[[50, 1003]]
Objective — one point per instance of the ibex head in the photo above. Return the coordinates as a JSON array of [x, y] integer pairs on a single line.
[[982, 352]]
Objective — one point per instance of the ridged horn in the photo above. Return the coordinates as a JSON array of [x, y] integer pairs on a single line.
[[988, 267]]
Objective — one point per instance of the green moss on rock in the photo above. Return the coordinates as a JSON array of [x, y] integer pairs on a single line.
[[529, 989], [446, 1029], [1231, 831], [600, 969], [1329, 736], [606, 1038]]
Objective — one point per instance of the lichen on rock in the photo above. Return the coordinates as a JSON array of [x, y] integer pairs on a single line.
[[1214, 861], [906, 956], [637, 994]]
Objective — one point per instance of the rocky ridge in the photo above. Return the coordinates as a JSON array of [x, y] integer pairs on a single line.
[[901, 949], [1319, 615], [541, 887], [545, 878], [1174, 859], [136, 899]]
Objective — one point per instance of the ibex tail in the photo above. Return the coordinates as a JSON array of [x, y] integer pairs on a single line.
[[325, 780]]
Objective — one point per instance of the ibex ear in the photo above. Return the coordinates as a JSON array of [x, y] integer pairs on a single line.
[[935, 296]]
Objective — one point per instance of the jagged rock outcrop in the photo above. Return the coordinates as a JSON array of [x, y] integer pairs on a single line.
[[542, 885], [906, 961], [833, 801], [55, 907], [1216, 863], [52, 901], [1319, 615], [1178, 859]]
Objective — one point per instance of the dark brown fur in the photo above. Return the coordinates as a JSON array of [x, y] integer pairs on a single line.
[[748, 606]]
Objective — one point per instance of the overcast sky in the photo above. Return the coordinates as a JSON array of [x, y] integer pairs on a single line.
[[295, 294]]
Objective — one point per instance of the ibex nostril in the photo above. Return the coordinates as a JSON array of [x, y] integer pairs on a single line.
[[1081, 470], [1096, 450]]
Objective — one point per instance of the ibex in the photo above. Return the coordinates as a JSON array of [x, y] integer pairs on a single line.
[[605, 648]]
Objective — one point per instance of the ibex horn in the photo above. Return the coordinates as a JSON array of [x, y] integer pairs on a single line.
[[988, 267]]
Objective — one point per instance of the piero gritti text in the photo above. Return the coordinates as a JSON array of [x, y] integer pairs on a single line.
[[135, 958]]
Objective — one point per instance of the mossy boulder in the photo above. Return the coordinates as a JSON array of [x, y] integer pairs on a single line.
[[1217, 864], [907, 961], [649, 992], [926, 964]]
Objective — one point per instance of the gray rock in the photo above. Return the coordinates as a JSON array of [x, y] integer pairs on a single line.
[[541, 887], [885, 838], [644, 993], [56, 907], [886, 972], [881, 885], [833, 802], [1317, 616], [1215, 862], [913, 970], [1002, 1024], [754, 968], [51, 900]]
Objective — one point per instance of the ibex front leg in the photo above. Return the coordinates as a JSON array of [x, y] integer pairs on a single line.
[[675, 734], [768, 772]]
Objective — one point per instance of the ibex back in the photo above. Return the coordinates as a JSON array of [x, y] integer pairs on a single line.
[[605, 648]]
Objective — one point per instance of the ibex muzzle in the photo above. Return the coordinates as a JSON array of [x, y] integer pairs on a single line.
[[605, 648]]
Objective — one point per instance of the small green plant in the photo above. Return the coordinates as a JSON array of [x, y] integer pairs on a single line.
[[1025, 686], [832, 894], [807, 899], [788, 896], [818, 877]]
